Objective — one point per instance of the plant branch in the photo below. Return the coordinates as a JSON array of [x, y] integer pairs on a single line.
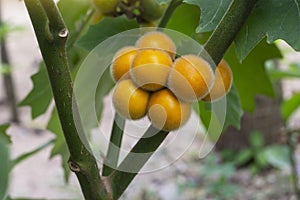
[[169, 12], [113, 152], [226, 31], [52, 35], [135, 160]]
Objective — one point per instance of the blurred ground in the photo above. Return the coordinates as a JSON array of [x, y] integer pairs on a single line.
[[39, 177]]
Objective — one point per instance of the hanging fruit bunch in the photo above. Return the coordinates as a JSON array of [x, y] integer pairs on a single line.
[[151, 80]]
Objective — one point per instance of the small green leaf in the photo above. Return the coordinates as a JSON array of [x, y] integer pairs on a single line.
[[40, 96], [211, 13], [232, 113], [234, 110], [290, 106], [250, 77], [292, 72], [5, 161], [3, 134], [105, 29], [183, 14], [256, 140], [278, 156], [243, 157], [60, 146]]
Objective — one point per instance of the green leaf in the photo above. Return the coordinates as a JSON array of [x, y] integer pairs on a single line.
[[243, 157], [234, 110], [72, 11], [256, 140], [232, 113], [60, 146], [105, 29], [104, 87], [211, 13], [290, 106], [5, 161], [40, 96], [3, 134], [183, 14], [276, 19], [250, 77], [277, 156], [292, 72]]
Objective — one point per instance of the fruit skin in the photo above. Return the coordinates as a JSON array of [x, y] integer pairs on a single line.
[[222, 83], [157, 40], [190, 78], [129, 101], [105, 6], [121, 63], [166, 112], [150, 69], [151, 10]]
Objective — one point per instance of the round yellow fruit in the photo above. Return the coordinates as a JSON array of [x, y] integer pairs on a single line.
[[222, 83], [190, 78], [105, 6], [157, 40], [121, 63], [166, 112], [129, 101], [150, 69]]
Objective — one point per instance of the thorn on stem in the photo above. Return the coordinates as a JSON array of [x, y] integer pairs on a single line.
[[63, 33], [74, 167]]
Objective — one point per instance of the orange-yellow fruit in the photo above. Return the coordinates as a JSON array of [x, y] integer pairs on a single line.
[[121, 63], [129, 101], [222, 83], [150, 69], [166, 112], [190, 78], [157, 40]]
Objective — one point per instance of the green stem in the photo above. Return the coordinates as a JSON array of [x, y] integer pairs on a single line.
[[292, 146], [52, 35], [135, 160], [226, 31], [169, 12], [113, 152]]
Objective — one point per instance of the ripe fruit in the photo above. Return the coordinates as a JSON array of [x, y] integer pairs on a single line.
[[157, 40], [190, 78], [105, 6], [222, 83], [150, 69], [130, 101], [166, 112], [122, 61]]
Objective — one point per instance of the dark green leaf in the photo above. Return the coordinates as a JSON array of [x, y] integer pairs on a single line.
[[250, 77], [105, 29], [277, 19], [290, 106], [277, 156], [5, 161], [211, 13], [185, 19], [3, 134], [60, 146], [40, 96]]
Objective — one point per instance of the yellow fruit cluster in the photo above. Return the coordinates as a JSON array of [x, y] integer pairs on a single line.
[[151, 81]]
